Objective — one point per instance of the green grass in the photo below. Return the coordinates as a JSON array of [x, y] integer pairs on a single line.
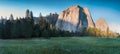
[[61, 45]]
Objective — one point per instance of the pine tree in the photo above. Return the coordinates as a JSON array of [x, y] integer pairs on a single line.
[[107, 31], [11, 18], [1, 27], [27, 13], [31, 15]]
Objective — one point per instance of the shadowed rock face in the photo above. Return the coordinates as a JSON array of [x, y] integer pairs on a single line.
[[89, 18], [101, 24], [74, 19], [52, 18]]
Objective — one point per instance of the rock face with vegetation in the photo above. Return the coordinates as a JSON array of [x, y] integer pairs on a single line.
[[51, 18], [74, 19]]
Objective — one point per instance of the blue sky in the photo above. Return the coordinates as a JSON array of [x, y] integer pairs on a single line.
[[107, 9]]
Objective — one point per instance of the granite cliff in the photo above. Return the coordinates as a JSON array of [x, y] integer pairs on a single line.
[[102, 25], [74, 19]]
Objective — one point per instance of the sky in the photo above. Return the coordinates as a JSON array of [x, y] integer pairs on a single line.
[[107, 9]]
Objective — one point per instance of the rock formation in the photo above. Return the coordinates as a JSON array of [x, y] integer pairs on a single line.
[[74, 19], [52, 18], [102, 25], [89, 18]]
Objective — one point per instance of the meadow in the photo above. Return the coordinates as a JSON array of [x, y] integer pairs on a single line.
[[61, 45]]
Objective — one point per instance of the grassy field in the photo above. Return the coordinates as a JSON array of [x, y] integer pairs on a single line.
[[61, 45]]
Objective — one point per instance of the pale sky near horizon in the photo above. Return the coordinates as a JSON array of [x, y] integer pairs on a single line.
[[107, 9]]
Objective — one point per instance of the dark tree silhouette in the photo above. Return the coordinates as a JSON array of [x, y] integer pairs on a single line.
[[11, 17], [31, 14], [27, 13]]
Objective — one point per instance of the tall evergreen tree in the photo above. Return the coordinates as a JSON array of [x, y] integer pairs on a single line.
[[1, 26], [31, 15], [11, 18], [27, 13], [15, 33], [40, 17], [42, 22], [107, 31]]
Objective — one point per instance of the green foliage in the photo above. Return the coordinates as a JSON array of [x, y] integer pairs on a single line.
[[36, 30], [22, 28], [26, 28], [61, 45]]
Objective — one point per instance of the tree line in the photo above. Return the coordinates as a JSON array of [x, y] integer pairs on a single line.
[[26, 28]]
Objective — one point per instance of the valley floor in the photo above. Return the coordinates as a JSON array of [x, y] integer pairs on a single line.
[[61, 45]]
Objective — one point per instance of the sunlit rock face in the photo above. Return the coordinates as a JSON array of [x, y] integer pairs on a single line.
[[74, 19], [89, 18], [101, 24]]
